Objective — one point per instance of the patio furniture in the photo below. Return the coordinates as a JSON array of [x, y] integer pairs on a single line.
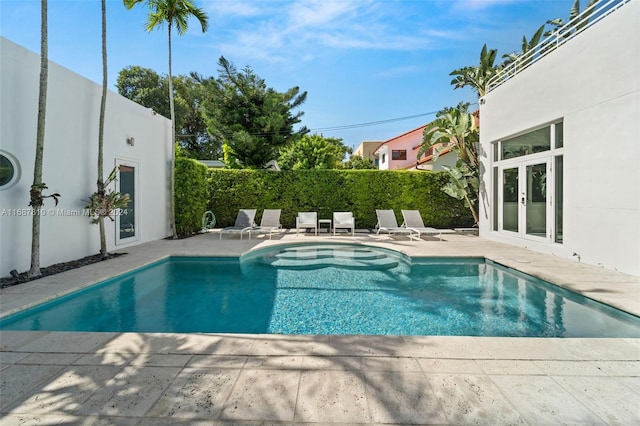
[[269, 224], [325, 222], [244, 223], [344, 220], [307, 220], [387, 223], [413, 220]]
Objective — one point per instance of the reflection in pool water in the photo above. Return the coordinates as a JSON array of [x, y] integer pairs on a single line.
[[329, 289]]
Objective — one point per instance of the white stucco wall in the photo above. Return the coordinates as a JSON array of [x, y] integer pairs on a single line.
[[592, 83], [70, 160]]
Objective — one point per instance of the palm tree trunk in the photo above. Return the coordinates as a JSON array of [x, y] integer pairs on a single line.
[[172, 177], [37, 187], [103, 105]]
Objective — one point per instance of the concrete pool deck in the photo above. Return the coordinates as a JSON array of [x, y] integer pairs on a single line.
[[152, 378]]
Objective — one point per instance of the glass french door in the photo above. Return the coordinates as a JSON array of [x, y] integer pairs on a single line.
[[525, 206], [126, 219]]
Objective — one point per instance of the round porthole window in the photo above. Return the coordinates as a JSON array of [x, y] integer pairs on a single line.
[[9, 170]]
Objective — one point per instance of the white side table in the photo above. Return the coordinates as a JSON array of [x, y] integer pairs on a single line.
[[327, 221]]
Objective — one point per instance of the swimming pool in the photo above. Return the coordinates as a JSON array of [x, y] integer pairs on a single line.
[[328, 289]]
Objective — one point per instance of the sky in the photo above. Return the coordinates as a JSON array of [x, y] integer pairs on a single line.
[[372, 69]]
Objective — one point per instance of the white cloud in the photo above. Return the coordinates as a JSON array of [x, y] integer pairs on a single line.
[[480, 4], [395, 72], [285, 31], [227, 8], [318, 13]]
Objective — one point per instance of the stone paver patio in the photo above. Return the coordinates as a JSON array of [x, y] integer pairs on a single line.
[[156, 379]]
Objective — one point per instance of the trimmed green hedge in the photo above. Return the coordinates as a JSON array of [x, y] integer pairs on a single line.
[[326, 191], [191, 195]]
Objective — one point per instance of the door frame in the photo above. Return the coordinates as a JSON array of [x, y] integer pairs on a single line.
[[523, 197], [136, 202]]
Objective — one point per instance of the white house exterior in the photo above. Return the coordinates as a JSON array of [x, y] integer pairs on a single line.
[[136, 140], [560, 144]]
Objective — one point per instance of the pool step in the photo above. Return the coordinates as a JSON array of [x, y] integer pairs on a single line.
[[315, 257]]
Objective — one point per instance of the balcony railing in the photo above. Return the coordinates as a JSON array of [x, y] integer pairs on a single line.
[[587, 18]]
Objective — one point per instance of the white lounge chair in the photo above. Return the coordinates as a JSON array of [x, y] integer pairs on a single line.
[[269, 224], [244, 223], [344, 220], [307, 220], [387, 223], [413, 220]]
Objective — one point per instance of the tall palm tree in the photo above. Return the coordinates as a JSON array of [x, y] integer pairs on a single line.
[[103, 105], [36, 201], [173, 13]]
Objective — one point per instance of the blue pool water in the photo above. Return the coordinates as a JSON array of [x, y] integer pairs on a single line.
[[328, 289]]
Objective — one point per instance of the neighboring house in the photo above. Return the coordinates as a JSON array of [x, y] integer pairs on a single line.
[[136, 140], [560, 151], [366, 149], [401, 153], [446, 157]]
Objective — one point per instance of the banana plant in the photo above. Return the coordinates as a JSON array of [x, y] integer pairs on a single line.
[[525, 56], [455, 129], [477, 77], [573, 24], [463, 185]]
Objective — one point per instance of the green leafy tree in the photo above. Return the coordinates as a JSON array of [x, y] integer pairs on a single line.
[[192, 134], [455, 129], [174, 13], [357, 162], [252, 120], [148, 88], [477, 77], [145, 87], [313, 152]]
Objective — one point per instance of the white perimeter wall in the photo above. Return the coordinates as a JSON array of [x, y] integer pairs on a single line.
[[70, 159], [592, 82]]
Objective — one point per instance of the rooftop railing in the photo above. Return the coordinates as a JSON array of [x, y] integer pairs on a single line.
[[587, 18]]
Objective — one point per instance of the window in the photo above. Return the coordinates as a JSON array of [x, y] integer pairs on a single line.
[[9, 170], [127, 186], [400, 154], [127, 220], [559, 197], [529, 143], [559, 135], [528, 184]]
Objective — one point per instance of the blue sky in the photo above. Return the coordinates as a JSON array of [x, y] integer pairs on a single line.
[[361, 61]]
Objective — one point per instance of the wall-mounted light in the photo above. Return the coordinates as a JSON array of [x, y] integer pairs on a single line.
[[131, 141]]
